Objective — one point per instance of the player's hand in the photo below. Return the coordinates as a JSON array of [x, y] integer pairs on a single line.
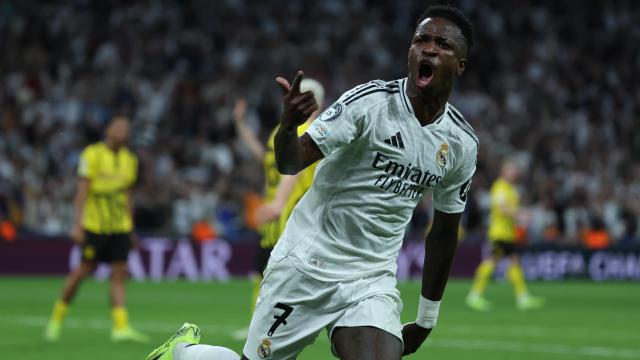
[[298, 107], [413, 336], [77, 234], [266, 213], [239, 111]]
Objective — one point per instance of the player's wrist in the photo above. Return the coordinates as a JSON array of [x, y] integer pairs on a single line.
[[288, 123], [288, 127], [427, 313]]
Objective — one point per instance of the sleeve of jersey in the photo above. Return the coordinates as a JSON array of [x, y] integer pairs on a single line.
[[450, 195], [335, 127], [86, 164]]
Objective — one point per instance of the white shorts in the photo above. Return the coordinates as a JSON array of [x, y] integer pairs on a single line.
[[293, 308]]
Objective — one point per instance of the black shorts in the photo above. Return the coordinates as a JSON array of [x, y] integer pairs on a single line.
[[106, 248], [503, 248], [262, 259]]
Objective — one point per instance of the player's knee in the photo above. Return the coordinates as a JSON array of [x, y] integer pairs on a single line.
[[119, 271], [366, 343], [84, 270]]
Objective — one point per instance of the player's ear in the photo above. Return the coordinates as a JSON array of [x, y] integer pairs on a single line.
[[462, 65]]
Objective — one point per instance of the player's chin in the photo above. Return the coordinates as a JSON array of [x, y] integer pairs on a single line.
[[427, 90]]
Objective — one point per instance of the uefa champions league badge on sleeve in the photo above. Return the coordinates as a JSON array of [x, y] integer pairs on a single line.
[[264, 349], [320, 130], [441, 155], [332, 113]]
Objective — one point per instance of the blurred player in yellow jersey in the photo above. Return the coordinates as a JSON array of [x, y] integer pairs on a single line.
[[282, 192], [103, 225], [505, 204]]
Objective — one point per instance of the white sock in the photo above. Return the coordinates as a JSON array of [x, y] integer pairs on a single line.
[[186, 351]]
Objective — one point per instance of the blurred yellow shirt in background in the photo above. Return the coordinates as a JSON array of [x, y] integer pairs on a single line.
[[111, 175], [502, 227], [270, 232]]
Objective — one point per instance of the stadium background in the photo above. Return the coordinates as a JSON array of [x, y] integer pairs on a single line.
[[551, 84]]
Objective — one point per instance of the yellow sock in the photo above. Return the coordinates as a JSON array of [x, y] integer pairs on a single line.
[[483, 274], [60, 310], [120, 318], [516, 276], [256, 291]]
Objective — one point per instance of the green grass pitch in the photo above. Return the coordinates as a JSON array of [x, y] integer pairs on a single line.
[[581, 320]]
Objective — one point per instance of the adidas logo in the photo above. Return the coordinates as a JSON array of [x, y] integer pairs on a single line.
[[395, 140]]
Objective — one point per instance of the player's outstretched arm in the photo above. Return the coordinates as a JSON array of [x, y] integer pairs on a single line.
[[272, 210], [246, 135], [293, 154], [440, 248]]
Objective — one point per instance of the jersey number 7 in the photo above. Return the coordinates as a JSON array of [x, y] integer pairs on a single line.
[[280, 319]]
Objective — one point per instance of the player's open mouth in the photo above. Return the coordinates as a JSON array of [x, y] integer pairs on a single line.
[[425, 74]]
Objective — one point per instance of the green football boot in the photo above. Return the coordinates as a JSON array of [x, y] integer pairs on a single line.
[[128, 334], [52, 332], [528, 302], [478, 303], [188, 333]]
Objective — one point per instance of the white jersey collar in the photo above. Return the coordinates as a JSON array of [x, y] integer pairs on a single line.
[[406, 104]]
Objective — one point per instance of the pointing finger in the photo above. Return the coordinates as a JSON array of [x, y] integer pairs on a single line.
[[284, 84], [295, 85]]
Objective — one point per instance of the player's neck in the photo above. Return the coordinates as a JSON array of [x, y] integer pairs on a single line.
[[112, 145], [427, 110]]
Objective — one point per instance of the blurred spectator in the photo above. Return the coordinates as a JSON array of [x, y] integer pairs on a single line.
[[552, 84], [630, 234], [7, 231], [203, 232], [596, 236]]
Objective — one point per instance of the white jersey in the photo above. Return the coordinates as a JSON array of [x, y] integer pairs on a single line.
[[378, 164]]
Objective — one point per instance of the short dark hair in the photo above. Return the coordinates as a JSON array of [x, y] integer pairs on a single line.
[[455, 16]]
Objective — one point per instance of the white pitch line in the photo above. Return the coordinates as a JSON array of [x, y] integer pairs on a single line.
[[451, 343], [102, 324]]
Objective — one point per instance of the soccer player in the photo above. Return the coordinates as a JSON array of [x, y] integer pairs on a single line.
[[103, 225], [282, 192], [505, 203], [384, 145]]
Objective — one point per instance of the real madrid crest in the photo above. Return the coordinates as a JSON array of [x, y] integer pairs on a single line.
[[441, 155], [264, 349]]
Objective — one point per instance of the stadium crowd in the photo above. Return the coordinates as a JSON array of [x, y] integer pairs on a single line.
[[557, 93]]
